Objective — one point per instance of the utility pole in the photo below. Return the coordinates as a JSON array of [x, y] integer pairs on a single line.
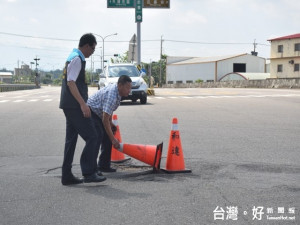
[[161, 42], [37, 83], [18, 74], [254, 51], [92, 69], [160, 61], [36, 62], [150, 72]]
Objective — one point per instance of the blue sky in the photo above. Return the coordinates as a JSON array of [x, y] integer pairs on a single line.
[[235, 23]]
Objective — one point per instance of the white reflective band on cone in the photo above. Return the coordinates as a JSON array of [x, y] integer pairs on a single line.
[[121, 147], [115, 122], [174, 126]]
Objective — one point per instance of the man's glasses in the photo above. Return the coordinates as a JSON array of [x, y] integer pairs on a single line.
[[93, 48]]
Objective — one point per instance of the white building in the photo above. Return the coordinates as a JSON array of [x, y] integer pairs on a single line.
[[189, 69], [5, 77]]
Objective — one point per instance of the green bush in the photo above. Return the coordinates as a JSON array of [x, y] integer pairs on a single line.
[[198, 81]]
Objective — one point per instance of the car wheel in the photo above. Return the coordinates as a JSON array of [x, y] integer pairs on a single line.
[[143, 100]]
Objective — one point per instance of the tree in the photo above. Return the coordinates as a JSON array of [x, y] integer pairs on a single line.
[[58, 81], [120, 58], [47, 79], [158, 70]]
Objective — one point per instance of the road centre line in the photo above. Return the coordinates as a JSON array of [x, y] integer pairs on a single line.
[[20, 96]]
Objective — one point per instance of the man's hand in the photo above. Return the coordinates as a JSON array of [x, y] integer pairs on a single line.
[[115, 143], [74, 91], [85, 110], [106, 119], [113, 128]]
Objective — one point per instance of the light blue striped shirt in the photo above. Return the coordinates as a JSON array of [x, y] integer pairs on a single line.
[[107, 100]]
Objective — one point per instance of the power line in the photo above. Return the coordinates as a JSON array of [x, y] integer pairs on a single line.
[[28, 36], [158, 40], [214, 43]]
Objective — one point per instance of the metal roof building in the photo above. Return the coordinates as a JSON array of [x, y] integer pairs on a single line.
[[191, 69]]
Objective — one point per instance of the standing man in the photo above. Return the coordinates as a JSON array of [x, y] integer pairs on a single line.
[[103, 103], [74, 95]]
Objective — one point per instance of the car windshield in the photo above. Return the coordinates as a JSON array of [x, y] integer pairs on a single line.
[[117, 71]]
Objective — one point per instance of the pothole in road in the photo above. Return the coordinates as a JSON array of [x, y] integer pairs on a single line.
[[128, 168]]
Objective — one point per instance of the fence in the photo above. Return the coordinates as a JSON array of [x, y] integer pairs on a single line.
[[268, 83], [16, 87]]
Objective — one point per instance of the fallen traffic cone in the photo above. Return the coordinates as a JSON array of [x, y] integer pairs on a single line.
[[117, 156], [175, 159], [149, 154]]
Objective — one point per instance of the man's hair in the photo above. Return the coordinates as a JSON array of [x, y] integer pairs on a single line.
[[123, 79], [88, 38]]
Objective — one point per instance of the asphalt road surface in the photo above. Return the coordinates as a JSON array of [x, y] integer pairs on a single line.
[[242, 145]]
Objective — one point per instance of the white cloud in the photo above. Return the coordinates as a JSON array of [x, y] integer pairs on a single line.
[[34, 21], [191, 18]]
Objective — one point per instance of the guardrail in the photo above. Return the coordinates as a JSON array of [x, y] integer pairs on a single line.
[[16, 87]]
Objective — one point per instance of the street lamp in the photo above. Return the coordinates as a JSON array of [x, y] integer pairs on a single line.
[[103, 38]]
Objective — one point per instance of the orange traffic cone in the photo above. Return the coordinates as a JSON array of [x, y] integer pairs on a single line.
[[149, 154], [175, 159], [116, 156]]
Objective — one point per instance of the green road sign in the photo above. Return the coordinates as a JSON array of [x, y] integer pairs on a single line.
[[120, 3], [139, 11]]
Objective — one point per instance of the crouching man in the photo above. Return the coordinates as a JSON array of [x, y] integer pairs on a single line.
[[103, 103]]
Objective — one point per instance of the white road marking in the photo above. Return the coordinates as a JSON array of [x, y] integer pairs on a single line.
[[159, 97], [222, 96], [20, 96]]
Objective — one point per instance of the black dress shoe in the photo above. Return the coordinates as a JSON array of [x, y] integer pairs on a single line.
[[70, 179], [99, 173], [93, 178], [107, 170]]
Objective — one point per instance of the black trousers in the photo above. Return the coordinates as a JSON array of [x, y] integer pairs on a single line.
[[77, 124], [103, 141]]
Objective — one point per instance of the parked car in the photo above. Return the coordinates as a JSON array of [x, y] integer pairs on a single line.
[[112, 73]]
